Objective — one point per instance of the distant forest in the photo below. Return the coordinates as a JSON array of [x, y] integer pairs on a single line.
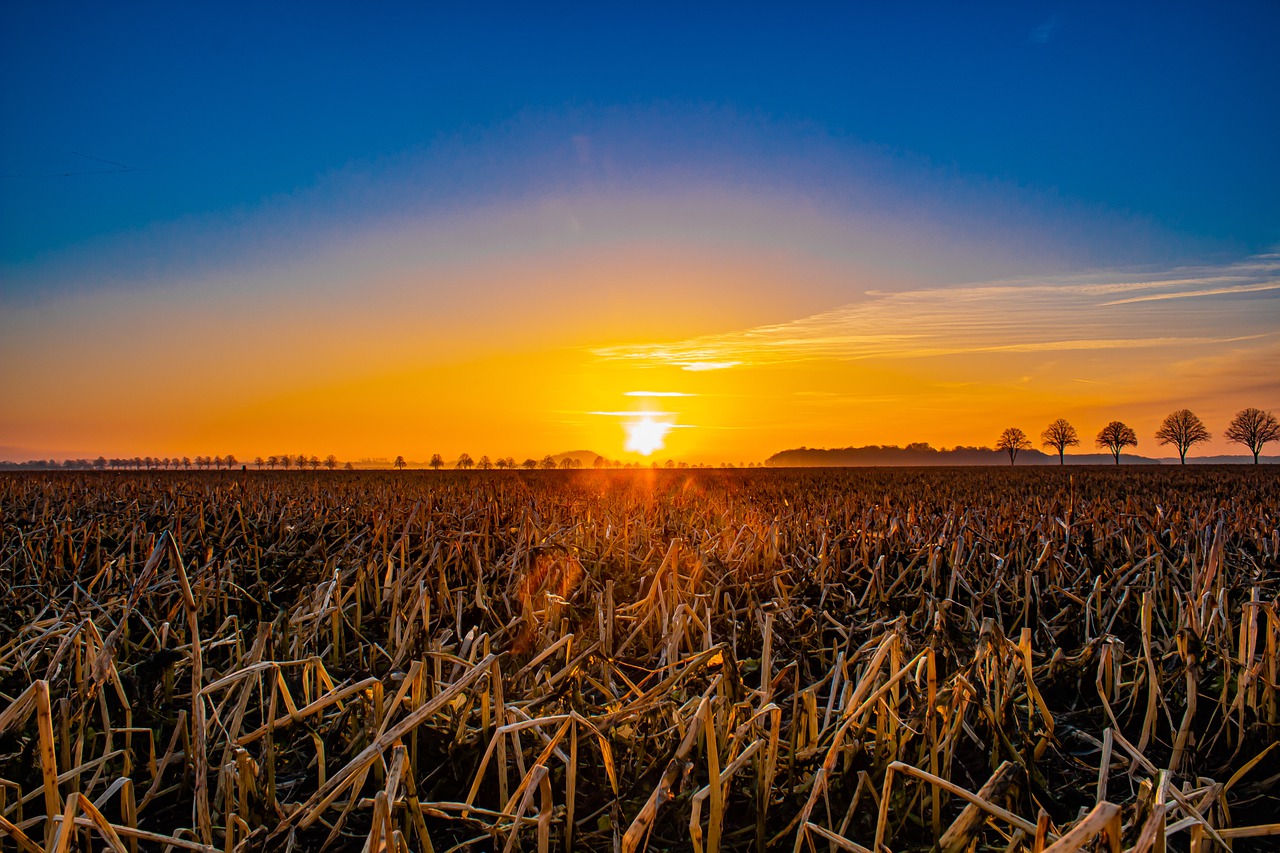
[[921, 453]]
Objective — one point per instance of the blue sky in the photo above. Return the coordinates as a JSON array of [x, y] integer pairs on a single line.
[[1165, 113]]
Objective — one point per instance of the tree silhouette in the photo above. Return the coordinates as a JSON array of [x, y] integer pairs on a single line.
[[229, 461], [437, 461], [566, 463], [186, 462], [1253, 428], [600, 462], [100, 463], [1116, 436], [314, 461], [1011, 441], [285, 461], [258, 462], [301, 461], [549, 462], [399, 463], [1060, 435], [331, 462], [1182, 429], [465, 461], [485, 463], [511, 462], [530, 464]]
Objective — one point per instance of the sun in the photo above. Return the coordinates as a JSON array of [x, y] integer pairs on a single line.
[[646, 435]]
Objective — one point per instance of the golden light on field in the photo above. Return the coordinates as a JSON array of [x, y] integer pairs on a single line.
[[646, 435]]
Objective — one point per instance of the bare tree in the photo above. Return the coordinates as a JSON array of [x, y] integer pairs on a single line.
[[1060, 435], [230, 461], [1182, 429], [258, 462], [1253, 428], [437, 461], [1011, 441], [399, 463], [331, 462], [1116, 436]]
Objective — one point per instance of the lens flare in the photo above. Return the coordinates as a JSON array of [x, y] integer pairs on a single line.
[[646, 435]]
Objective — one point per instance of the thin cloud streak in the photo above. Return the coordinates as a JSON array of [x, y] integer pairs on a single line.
[[1074, 313], [1257, 288]]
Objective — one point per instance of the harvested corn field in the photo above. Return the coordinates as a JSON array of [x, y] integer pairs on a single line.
[[677, 660]]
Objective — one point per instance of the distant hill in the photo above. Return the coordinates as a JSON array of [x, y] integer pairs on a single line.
[[923, 454], [1225, 460], [585, 458]]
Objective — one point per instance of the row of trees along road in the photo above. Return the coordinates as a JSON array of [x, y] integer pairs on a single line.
[[1182, 429], [300, 461], [484, 463], [151, 463]]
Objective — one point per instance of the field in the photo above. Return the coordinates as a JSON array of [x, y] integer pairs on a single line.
[[683, 660]]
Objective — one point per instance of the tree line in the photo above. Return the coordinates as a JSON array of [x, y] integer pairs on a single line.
[[1253, 428], [302, 462], [465, 463], [547, 463], [1182, 429], [184, 463]]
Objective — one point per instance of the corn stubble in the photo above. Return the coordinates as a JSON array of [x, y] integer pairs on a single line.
[[822, 660]]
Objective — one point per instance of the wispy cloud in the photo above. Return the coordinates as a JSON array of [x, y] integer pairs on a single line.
[[1044, 32], [1236, 303], [700, 366], [1195, 294]]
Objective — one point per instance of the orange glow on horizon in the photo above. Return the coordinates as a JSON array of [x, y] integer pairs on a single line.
[[750, 353]]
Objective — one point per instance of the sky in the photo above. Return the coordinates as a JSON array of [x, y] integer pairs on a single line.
[[517, 230]]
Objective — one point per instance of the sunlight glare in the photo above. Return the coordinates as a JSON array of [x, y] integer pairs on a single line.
[[646, 435]]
